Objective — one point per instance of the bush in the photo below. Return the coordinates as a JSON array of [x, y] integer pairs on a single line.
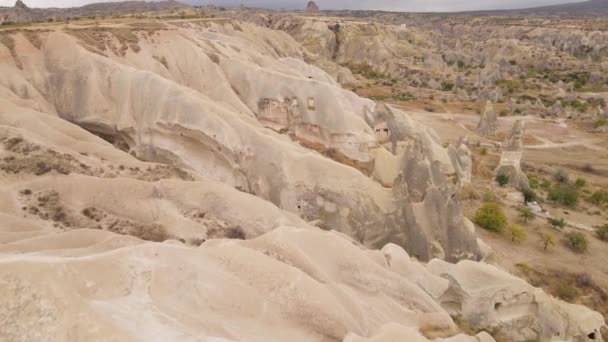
[[563, 194], [517, 233], [602, 232], [502, 180], [600, 197], [580, 183], [565, 292], [491, 217], [529, 196], [447, 86], [577, 241], [557, 223]]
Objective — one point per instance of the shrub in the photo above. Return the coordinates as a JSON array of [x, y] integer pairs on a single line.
[[517, 233], [489, 196], [502, 180], [526, 214], [565, 292], [602, 232], [577, 241], [529, 196], [563, 194], [600, 197], [580, 182], [548, 241], [557, 223], [561, 176], [545, 185], [491, 217], [153, 232], [447, 86], [600, 123]]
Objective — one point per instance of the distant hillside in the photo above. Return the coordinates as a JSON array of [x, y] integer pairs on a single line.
[[586, 8], [21, 13]]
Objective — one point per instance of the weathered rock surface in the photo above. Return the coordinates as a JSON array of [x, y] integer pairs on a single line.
[[510, 158], [488, 122], [261, 97], [217, 138]]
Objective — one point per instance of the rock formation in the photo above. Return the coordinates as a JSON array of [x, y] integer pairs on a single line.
[[20, 5], [510, 158], [461, 159], [514, 140], [488, 122], [312, 7]]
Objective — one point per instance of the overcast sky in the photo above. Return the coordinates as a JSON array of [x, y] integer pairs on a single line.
[[389, 5]]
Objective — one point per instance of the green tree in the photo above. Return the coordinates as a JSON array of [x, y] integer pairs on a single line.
[[491, 217], [577, 241], [526, 214], [517, 233], [548, 241], [557, 223]]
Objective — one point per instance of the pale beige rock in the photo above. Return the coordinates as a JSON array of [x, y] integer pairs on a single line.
[[489, 298], [488, 122]]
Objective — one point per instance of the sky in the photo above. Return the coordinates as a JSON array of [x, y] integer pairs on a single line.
[[387, 5]]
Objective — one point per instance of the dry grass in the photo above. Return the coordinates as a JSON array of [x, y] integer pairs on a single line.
[[118, 40], [6, 39], [162, 60], [150, 232]]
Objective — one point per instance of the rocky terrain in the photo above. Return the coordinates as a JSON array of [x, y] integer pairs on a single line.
[[261, 176]]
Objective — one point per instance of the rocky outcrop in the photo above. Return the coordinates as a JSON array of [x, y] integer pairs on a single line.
[[488, 122], [385, 177], [510, 158], [312, 7], [460, 155], [511, 309], [514, 140]]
